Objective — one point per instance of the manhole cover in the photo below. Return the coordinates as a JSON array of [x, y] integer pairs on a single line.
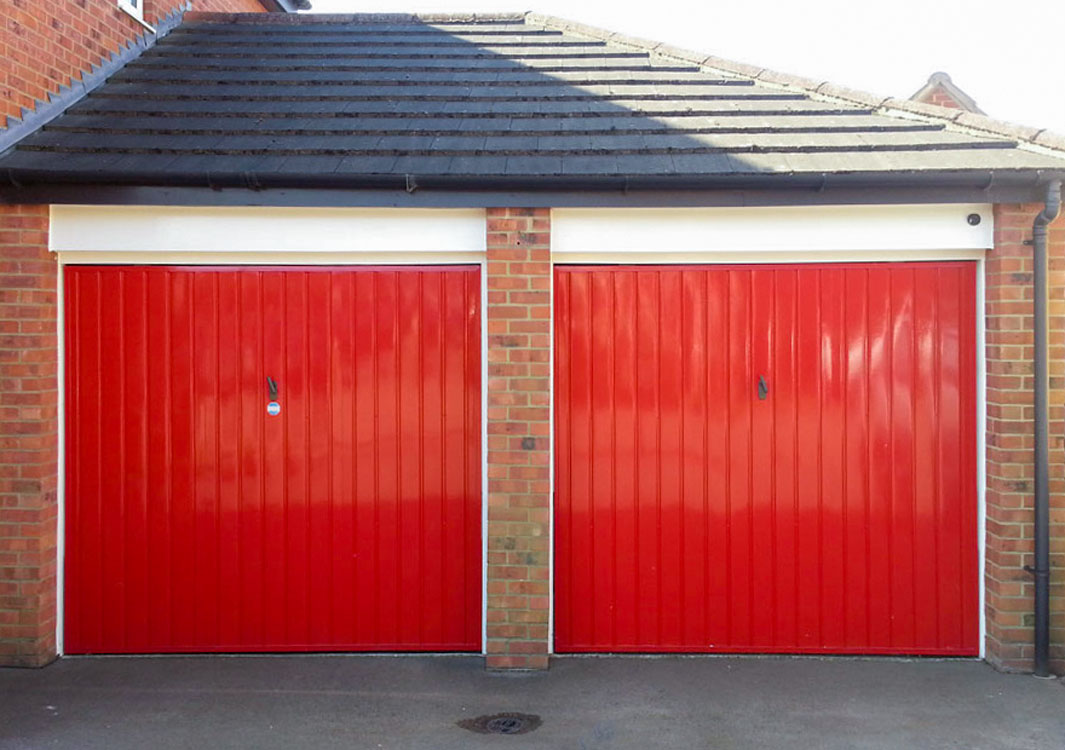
[[502, 724]]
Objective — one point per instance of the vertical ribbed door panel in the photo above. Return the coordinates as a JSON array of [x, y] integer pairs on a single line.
[[197, 521], [836, 514]]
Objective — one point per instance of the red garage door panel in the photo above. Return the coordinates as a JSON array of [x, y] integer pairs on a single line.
[[837, 514], [196, 521]]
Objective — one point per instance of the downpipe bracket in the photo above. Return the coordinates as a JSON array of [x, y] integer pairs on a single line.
[[1036, 572]]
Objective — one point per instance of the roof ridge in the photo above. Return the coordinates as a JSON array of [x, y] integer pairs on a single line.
[[1040, 137]]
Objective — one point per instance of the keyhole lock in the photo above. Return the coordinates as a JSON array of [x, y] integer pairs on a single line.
[[273, 407], [763, 388]]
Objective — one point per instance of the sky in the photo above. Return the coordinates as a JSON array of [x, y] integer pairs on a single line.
[[1009, 58]]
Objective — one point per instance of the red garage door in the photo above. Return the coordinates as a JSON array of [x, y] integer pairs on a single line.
[[198, 521], [767, 459]]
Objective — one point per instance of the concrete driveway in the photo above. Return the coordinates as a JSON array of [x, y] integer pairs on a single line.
[[415, 702]]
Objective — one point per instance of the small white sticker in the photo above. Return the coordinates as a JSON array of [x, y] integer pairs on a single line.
[[273, 408]]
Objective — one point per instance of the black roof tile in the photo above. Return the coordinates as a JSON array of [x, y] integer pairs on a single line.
[[243, 101], [478, 165], [590, 165], [380, 164]]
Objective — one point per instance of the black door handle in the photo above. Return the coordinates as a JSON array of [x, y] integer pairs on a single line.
[[272, 385], [763, 388]]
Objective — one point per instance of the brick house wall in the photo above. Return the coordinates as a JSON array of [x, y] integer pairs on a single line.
[[1010, 441], [43, 45]]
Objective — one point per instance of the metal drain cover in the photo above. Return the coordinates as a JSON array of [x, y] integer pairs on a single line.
[[507, 723]]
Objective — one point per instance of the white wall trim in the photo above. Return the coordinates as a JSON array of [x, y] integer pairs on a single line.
[[551, 465], [748, 231], [749, 258], [136, 12], [288, 258], [61, 480], [981, 447], [484, 452], [177, 232]]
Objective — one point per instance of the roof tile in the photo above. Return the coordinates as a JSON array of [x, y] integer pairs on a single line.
[[509, 97], [731, 66], [980, 122], [668, 50], [851, 95], [1051, 140], [783, 79], [921, 108]]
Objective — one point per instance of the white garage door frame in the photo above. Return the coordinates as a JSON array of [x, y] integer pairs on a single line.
[[252, 236], [808, 234]]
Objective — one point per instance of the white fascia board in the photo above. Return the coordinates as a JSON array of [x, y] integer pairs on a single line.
[[287, 258], [743, 233], [140, 232]]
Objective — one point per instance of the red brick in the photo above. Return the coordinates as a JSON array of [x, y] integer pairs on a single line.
[[538, 661], [519, 269], [28, 440]]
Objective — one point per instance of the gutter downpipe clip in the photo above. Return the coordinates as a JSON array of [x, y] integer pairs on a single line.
[[1041, 570]]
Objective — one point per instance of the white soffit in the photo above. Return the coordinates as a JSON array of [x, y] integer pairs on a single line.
[[909, 231], [148, 230]]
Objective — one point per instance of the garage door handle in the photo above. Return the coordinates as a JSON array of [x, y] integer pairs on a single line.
[[763, 388], [272, 385]]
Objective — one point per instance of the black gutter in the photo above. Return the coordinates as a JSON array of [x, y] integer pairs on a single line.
[[443, 191], [17, 178], [1042, 418], [138, 195]]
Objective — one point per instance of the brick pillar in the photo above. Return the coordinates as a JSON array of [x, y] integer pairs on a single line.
[[29, 435], [518, 312], [1010, 441]]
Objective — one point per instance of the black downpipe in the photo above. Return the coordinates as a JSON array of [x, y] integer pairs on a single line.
[[1042, 450]]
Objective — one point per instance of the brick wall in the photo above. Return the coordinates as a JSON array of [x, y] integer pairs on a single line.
[[941, 97], [518, 313], [1010, 440], [223, 6], [46, 43], [28, 437]]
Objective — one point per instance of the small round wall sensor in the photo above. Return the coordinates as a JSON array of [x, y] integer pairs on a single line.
[[973, 219]]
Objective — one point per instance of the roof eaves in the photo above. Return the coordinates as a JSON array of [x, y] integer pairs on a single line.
[[815, 181], [1040, 140]]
